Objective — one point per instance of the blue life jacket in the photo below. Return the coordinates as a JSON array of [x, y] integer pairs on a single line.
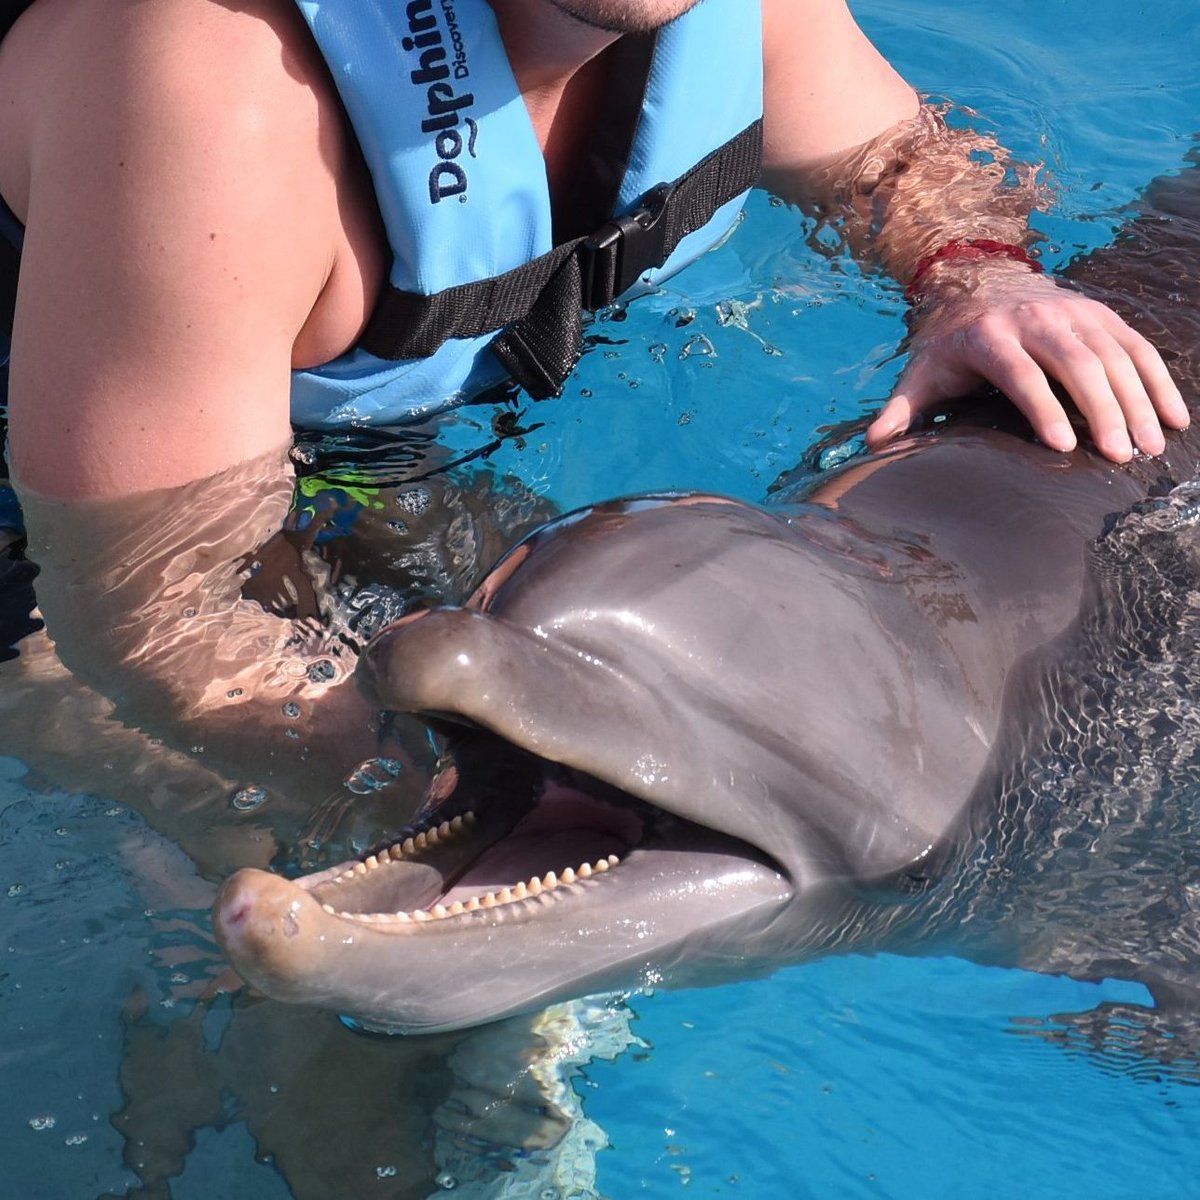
[[461, 186]]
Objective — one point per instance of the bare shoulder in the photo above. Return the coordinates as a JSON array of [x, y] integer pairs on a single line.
[[179, 70], [827, 88], [181, 168]]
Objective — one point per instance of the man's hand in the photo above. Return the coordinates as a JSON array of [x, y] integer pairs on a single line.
[[1001, 324]]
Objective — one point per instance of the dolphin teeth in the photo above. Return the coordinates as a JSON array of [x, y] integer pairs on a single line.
[[443, 829], [421, 841], [409, 846], [550, 880], [568, 876], [489, 901], [403, 917], [504, 896], [397, 851], [613, 860], [468, 818], [440, 910], [585, 871], [520, 892], [456, 824], [473, 904], [600, 865], [457, 908], [421, 915], [535, 886], [371, 861], [329, 909], [359, 868]]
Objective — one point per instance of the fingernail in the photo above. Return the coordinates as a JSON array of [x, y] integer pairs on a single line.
[[880, 432], [1117, 446], [1150, 439], [1060, 436]]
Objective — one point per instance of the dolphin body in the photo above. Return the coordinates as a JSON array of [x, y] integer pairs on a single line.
[[689, 739]]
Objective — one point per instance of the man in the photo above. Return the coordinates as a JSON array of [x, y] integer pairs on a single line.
[[199, 222]]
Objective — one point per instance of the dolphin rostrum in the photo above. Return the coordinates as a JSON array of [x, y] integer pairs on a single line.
[[689, 739]]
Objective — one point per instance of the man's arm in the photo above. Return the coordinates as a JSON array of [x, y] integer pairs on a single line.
[[843, 129], [181, 169], [175, 165]]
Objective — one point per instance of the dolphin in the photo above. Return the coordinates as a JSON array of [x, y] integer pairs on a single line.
[[688, 739]]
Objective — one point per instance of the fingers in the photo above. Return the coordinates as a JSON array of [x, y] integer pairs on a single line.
[[1107, 391], [1116, 378], [925, 383], [1164, 394]]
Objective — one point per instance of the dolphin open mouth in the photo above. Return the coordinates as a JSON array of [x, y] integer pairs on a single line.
[[522, 879], [554, 830], [472, 860]]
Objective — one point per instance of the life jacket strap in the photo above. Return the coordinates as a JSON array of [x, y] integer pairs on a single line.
[[539, 305]]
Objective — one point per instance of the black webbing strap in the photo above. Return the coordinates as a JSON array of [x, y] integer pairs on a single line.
[[541, 303]]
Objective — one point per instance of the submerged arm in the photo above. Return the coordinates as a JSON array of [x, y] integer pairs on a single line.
[[846, 135], [178, 171]]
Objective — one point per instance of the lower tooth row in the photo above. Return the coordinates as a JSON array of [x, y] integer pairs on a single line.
[[522, 891]]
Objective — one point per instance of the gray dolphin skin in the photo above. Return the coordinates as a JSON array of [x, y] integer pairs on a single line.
[[688, 739]]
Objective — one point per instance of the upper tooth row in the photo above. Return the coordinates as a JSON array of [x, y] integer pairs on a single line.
[[410, 845], [522, 891]]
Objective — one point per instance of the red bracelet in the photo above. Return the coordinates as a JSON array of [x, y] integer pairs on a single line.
[[975, 249]]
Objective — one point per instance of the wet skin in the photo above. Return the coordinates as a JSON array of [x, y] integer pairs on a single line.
[[689, 739]]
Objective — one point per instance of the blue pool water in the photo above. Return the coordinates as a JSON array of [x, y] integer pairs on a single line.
[[872, 1077]]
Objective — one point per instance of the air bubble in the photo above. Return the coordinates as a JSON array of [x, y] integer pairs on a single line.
[[75, 1139], [42, 1123], [698, 345], [248, 798], [446, 1181], [233, 693], [834, 456], [372, 775], [16, 889], [322, 671], [386, 1172], [291, 710], [415, 501]]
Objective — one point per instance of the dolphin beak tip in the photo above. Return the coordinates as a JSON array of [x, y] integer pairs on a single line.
[[259, 919]]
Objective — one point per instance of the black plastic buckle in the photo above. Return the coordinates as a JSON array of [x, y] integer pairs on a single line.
[[618, 252]]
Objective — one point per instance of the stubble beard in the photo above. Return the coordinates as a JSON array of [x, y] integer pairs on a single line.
[[624, 16]]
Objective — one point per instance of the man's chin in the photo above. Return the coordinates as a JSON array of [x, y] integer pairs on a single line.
[[624, 16]]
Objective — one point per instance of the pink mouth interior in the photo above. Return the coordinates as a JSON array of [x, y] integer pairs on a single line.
[[566, 829]]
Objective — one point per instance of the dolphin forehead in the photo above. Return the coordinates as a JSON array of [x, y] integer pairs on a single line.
[[693, 653]]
